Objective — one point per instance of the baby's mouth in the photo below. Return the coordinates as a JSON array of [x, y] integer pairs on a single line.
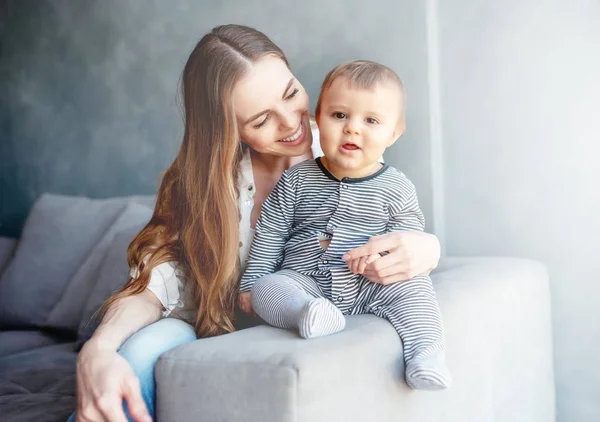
[[350, 146]]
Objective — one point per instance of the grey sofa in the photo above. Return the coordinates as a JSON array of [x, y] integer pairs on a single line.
[[71, 255]]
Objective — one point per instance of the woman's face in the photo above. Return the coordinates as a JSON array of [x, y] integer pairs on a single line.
[[271, 107]]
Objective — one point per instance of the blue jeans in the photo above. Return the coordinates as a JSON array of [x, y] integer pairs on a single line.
[[143, 348]]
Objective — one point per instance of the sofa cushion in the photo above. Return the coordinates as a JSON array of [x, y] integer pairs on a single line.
[[112, 275], [41, 370], [7, 246], [26, 407], [497, 321], [15, 341], [39, 384], [67, 313], [59, 235]]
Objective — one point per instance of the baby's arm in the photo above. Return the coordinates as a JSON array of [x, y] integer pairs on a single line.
[[405, 213], [273, 230]]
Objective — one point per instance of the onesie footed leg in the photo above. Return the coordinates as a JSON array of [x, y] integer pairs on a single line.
[[319, 318], [428, 373]]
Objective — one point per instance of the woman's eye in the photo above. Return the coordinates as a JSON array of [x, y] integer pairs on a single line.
[[371, 120], [264, 122], [292, 95], [339, 115]]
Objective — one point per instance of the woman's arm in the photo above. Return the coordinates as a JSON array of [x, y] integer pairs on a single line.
[[125, 317], [104, 378]]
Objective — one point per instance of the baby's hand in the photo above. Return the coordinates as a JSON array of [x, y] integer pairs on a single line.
[[358, 265], [245, 303]]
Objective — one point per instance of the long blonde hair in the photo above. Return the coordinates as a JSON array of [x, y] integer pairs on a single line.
[[196, 217]]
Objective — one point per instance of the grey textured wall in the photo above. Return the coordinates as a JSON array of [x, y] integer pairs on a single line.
[[521, 124], [89, 104]]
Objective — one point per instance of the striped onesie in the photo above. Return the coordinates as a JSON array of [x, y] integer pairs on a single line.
[[288, 269]]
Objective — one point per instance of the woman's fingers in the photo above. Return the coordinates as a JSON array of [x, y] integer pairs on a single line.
[[365, 261], [88, 414], [362, 263], [357, 265], [111, 408], [354, 265], [395, 257], [104, 380], [132, 394], [375, 245], [389, 275]]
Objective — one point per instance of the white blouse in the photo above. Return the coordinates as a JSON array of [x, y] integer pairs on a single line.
[[166, 281]]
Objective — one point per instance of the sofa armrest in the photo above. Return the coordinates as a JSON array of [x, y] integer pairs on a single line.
[[498, 332], [7, 247]]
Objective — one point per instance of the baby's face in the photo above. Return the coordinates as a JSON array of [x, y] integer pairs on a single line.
[[357, 125]]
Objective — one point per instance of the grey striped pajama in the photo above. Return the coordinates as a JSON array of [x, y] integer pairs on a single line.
[[287, 267]]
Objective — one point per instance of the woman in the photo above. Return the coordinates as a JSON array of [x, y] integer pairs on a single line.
[[246, 122]]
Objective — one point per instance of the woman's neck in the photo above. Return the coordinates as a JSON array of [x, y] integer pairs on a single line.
[[273, 163]]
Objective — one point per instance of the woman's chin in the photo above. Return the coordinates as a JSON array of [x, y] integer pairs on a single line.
[[299, 147]]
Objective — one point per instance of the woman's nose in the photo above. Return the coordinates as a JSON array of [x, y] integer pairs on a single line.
[[288, 120]]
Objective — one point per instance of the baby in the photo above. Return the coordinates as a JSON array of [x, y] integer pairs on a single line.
[[322, 208]]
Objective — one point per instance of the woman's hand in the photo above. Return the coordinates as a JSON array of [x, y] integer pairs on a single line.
[[405, 255], [245, 303], [104, 380]]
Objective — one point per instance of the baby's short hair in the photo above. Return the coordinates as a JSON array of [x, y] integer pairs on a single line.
[[363, 74]]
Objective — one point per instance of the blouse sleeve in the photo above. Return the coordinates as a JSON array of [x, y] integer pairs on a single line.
[[167, 285]]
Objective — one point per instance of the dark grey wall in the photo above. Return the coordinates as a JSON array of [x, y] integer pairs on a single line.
[[89, 88]]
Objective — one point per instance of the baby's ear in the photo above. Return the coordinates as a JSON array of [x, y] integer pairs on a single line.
[[397, 133], [400, 128]]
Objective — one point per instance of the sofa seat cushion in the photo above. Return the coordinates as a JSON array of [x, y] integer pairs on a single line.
[[48, 369], [38, 384], [15, 341], [25, 407], [40, 370]]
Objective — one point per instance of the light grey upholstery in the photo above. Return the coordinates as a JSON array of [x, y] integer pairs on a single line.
[[498, 328], [496, 313]]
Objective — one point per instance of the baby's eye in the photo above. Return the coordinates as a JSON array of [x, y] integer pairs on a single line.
[[371, 120], [339, 115]]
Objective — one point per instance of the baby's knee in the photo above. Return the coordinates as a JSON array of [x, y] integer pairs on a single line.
[[265, 282]]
